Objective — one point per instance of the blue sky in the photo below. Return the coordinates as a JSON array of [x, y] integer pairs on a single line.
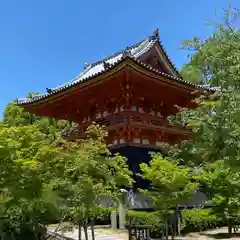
[[46, 43]]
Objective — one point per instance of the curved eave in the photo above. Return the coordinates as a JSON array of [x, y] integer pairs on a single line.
[[111, 69], [173, 79], [168, 59]]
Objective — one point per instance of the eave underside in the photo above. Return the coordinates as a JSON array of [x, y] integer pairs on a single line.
[[108, 85]]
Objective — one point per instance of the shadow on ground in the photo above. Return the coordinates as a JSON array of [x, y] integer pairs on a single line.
[[220, 235]]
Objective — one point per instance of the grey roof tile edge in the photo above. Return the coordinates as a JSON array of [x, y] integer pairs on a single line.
[[144, 46]]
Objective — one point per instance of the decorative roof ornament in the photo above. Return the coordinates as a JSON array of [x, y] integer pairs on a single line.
[[86, 65], [49, 90], [156, 34], [126, 53], [106, 65]]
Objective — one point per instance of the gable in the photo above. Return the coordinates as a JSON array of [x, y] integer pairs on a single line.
[[158, 59]]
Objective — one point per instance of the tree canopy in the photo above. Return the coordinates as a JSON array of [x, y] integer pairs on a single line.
[[44, 175], [214, 150], [208, 55]]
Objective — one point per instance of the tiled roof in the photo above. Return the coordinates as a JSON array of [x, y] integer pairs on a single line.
[[134, 51], [93, 70]]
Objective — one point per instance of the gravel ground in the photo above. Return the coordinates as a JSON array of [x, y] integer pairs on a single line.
[[110, 234], [218, 233], [100, 233]]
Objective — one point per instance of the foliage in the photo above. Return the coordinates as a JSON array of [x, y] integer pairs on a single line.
[[192, 74], [23, 203], [52, 128], [171, 184], [92, 176], [223, 187], [207, 56], [196, 220], [214, 151], [27, 200], [101, 213], [152, 219], [50, 175], [41, 176], [15, 116], [192, 220]]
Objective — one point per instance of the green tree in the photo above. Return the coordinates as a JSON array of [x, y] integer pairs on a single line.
[[92, 177], [206, 56], [52, 174], [171, 184], [223, 187], [192, 74], [23, 199], [214, 150], [15, 115]]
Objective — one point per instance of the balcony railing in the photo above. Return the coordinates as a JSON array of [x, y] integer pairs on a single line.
[[128, 119]]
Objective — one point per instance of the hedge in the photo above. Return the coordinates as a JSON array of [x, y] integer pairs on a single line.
[[101, 216], [144, 218], [196, 220], [152, 219], [192, 220]]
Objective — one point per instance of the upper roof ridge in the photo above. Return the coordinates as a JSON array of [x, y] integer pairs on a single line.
[[129, 48], [91, 65]]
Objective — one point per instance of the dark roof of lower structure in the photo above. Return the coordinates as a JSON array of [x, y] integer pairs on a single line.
[[140, 201]]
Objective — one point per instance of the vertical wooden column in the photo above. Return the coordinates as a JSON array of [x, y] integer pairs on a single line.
[[126, 88]]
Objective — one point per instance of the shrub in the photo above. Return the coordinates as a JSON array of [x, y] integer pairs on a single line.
[[153, 219], [101, 214], [192, 220], [195, 220], [144, 218]]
